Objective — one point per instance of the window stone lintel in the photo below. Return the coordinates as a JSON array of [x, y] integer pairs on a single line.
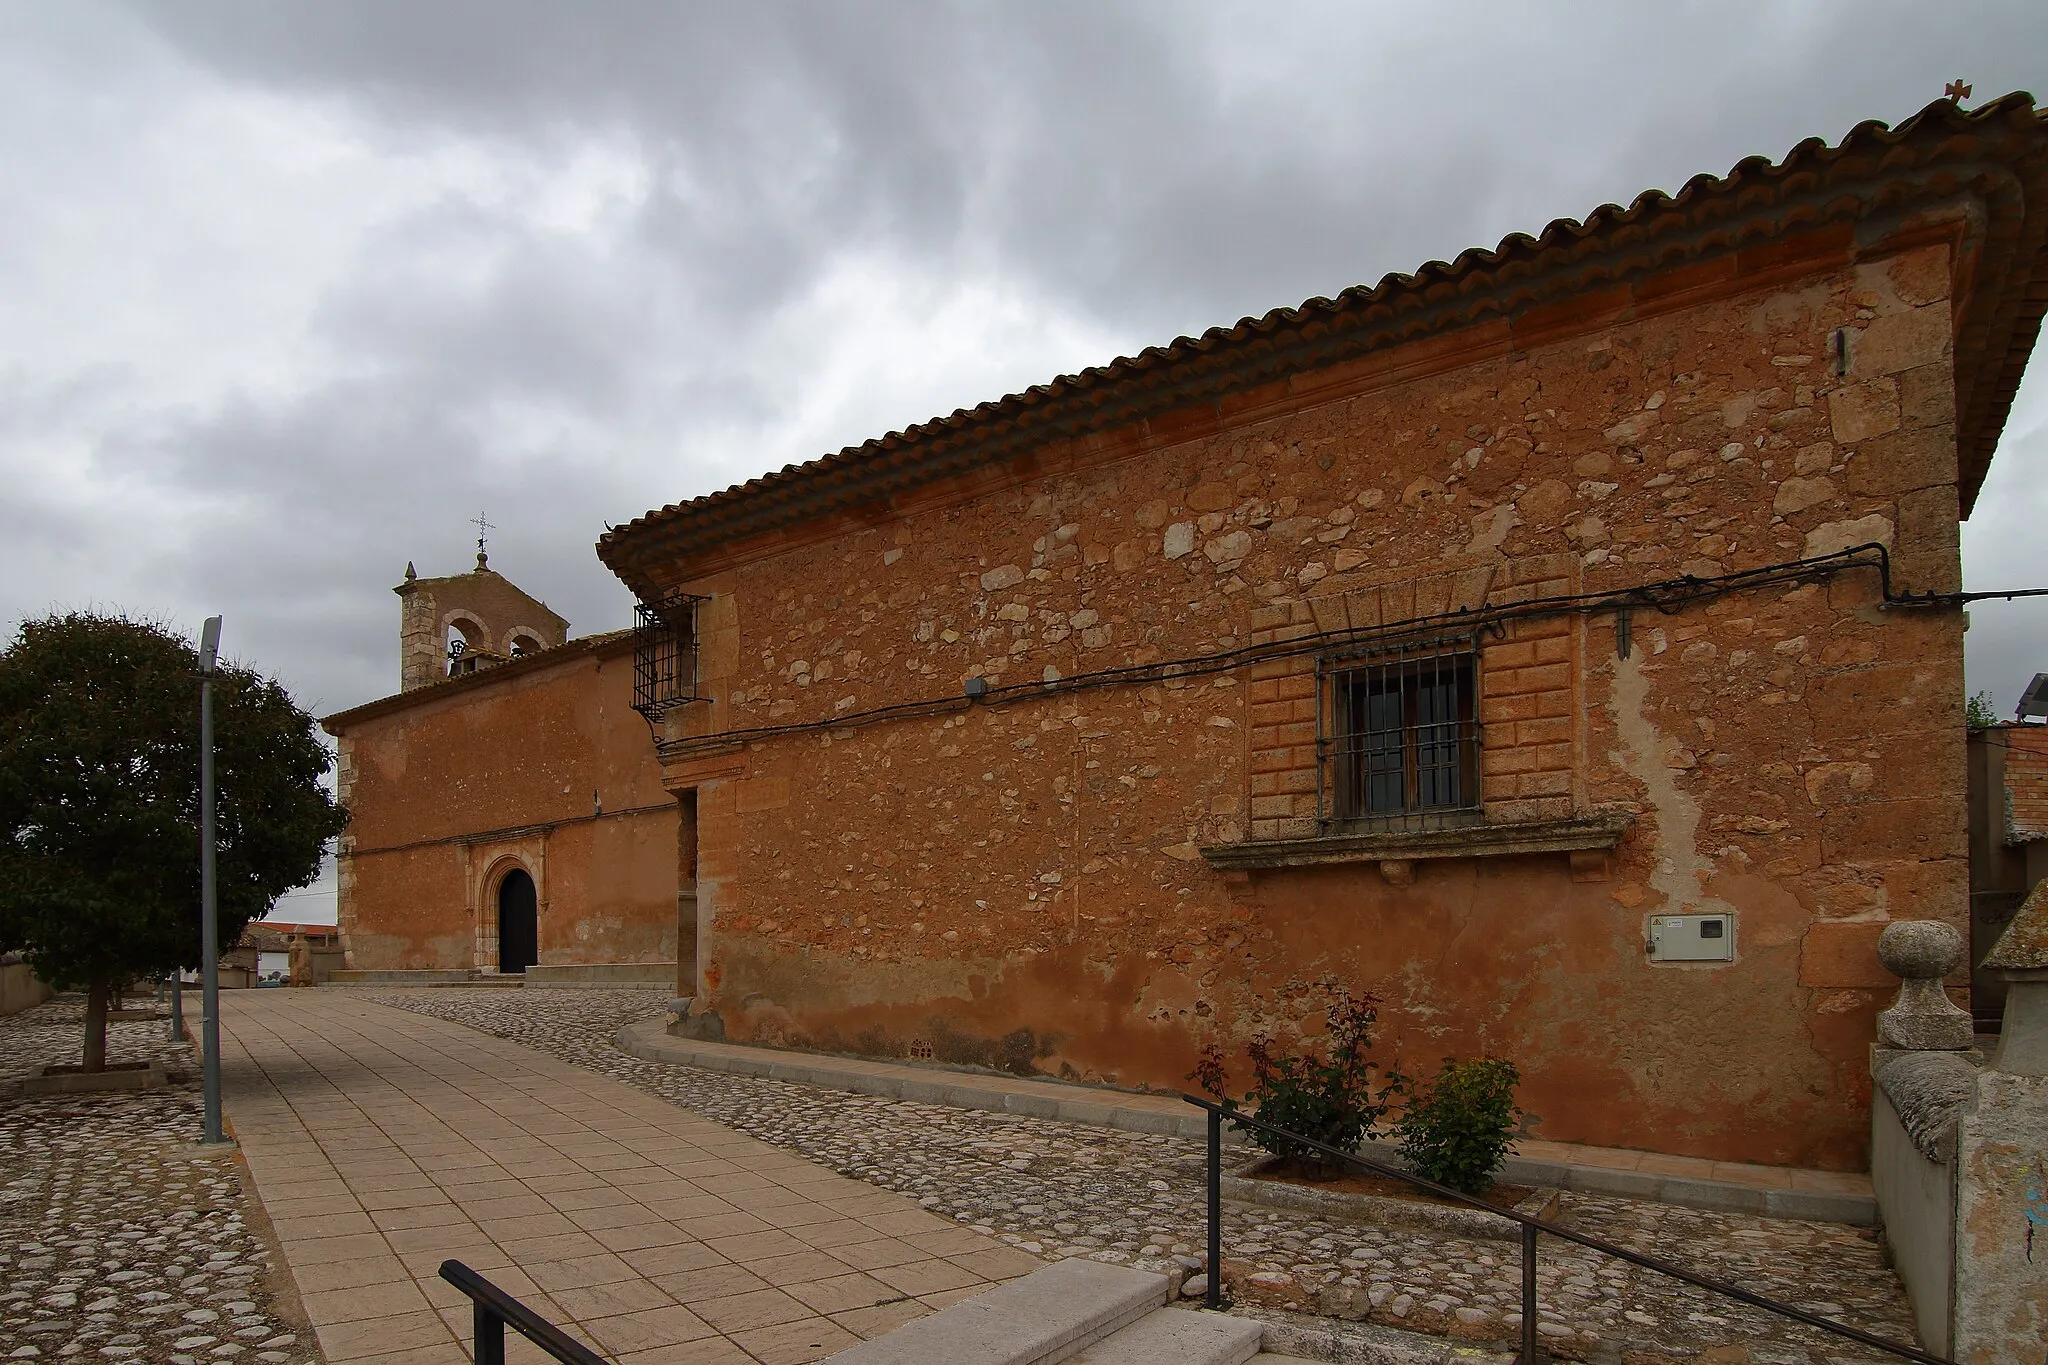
[[1575, 835]]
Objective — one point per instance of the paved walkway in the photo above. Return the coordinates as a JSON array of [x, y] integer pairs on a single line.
[[383, 1142], [1133, 1196]]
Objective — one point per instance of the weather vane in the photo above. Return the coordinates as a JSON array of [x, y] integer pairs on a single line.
[[483, 528]]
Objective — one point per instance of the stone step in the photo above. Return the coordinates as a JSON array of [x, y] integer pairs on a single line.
[[1040, 1319], [1177, 1336], [1268, 1358], [370, 976]]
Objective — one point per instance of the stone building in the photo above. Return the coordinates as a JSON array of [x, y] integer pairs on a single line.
[[505, 808], [1553, 642], [2008, 787]]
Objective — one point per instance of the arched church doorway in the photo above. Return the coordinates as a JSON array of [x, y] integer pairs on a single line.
[[518, 922]]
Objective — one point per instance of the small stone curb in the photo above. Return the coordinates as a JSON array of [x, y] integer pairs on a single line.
[[650, 1040], [118, 1076], [1361, 1343], [1381, 1210]]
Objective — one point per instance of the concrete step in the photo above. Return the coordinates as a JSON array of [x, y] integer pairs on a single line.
[[1177, 1336], [1040, 1319]]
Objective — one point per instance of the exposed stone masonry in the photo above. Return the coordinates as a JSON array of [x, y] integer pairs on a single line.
[[1025, 880]]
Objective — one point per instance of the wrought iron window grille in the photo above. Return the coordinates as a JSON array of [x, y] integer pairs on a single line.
[[1398, 736], [665, 673]]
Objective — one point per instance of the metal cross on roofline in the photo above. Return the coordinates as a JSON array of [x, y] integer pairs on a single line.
[[483, 528], [1956, 91]]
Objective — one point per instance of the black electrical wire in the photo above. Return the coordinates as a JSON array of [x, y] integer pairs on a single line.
[[1666, 596]]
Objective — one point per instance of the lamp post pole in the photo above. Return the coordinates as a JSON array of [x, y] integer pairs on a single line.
[[209, 930]]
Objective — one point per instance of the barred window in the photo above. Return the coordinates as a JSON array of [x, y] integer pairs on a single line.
[[1401, 744], [664, 654]]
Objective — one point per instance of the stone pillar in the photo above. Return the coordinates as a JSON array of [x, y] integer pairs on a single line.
[[2001, 1303], [1923, 1077], [1920, 952], [687, 984]]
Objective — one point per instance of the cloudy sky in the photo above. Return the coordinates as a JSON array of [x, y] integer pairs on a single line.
[[290, 291]]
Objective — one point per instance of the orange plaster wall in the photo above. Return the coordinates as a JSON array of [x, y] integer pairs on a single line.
[[1021, 885], [449, 794]]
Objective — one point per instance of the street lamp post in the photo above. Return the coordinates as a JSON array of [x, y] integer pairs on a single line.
[[209, 929]]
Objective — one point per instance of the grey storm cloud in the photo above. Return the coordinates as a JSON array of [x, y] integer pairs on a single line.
[[295, 290]]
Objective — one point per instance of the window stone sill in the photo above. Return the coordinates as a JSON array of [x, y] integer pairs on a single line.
[[1395, 851]]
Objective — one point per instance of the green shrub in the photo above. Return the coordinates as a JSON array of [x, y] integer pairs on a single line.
[[1459, 1127], [1977, 712], [1329, 1096]]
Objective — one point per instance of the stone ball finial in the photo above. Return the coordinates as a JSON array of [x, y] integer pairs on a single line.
[[1920, 948], [1920, 952]]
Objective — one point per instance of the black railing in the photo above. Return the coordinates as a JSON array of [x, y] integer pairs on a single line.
[[495, 1310], [1530, 1227]]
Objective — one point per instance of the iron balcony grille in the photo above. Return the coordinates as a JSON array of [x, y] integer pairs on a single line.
[[665, 654], [1397, 738]]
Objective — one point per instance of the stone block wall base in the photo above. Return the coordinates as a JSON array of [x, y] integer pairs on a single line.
[[395, 977], [704, 1028], [69, 1080], [661, 974]]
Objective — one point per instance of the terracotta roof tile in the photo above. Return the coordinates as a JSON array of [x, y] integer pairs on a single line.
[[1998, 151]]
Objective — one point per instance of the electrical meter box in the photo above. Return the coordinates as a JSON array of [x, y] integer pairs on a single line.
[[1692, 938]]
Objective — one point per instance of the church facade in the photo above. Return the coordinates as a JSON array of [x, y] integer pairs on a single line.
[[505, 808], [1560, 644]]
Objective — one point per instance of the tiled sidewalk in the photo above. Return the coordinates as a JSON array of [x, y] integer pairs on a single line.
[[383, 1142]]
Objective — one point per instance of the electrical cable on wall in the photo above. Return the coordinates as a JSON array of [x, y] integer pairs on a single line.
[[1665, 596]]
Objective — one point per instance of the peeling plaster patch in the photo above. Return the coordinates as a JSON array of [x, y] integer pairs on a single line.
[[1681, 870]]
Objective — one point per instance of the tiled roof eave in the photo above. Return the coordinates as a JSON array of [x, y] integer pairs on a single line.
[[1993, 156], [605, 644]]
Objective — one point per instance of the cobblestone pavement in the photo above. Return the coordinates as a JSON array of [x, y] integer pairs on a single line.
[[117, 1241], [1060, 1189]]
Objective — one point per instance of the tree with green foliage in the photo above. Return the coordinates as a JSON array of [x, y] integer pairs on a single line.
[[1977, 712], [99, 803]]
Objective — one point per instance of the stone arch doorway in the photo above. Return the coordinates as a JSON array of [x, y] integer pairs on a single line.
[[518, 922]]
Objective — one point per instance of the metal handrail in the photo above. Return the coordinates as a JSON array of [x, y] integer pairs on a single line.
[[494, 1310], [1530, 1227]]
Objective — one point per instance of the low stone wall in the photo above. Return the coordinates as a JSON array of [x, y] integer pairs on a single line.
[[1913, 1169], [1960, 1142], [20, 989], [313, 965], [453, 976], [660, 974]]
